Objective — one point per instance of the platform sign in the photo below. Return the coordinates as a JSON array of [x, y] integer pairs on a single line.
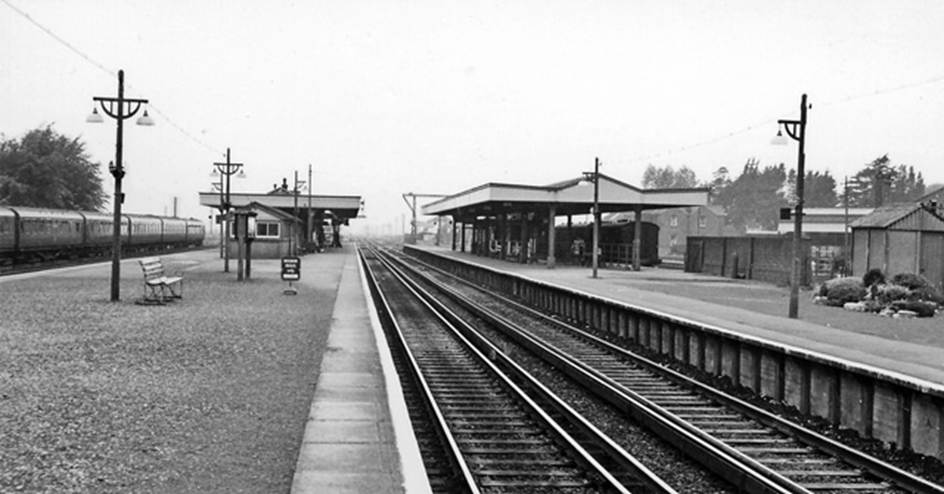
[[291, 268]]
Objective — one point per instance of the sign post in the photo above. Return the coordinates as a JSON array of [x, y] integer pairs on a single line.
[[291, 271]]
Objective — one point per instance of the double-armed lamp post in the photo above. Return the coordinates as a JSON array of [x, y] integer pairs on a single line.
[[796, 129], [225, 171], [595, 177], [119, 108]]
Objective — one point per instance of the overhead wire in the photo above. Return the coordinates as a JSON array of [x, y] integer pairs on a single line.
[[636, 159], [108, 71], [840, 101]]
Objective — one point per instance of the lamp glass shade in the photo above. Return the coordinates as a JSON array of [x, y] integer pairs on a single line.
[[215, 173], [145, 120], [94, 117], [779, 139], [241, 174]]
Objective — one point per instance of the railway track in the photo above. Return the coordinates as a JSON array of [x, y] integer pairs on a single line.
[[35, 266], [754, 450], [495, 434]]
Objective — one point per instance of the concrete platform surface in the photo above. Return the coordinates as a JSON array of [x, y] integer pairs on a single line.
[[908, 348], [358, 437]]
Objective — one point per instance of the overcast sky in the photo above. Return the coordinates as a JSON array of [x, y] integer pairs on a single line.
[[388, 97]]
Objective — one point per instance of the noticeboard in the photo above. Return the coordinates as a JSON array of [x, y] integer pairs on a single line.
[[291, 268]]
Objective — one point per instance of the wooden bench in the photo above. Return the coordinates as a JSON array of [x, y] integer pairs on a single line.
[[158, 287]]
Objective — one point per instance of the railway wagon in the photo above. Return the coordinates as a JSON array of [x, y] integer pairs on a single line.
[[616, 241]]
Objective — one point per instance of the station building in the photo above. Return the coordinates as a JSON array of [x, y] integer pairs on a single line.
[[286, 221], [521, 222]]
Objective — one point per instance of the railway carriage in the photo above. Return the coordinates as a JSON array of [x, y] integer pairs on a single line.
[[196, 232], [7, 230], [49, 232], [99, 231], [145, 230], [30, 234], [174, 232]]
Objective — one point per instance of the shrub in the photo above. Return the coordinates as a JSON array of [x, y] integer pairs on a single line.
[[923, 309], [910, 281], [891, 292], [873, 277], [842, 290], [927, 294]]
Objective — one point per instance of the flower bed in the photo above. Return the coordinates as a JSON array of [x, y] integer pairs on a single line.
[[902, 295]]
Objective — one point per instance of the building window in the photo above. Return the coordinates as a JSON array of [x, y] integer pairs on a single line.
[[267, 229], [673, 221], [702, 222]]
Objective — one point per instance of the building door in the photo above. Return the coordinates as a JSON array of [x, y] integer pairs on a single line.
[[932, 258], [693, 256]]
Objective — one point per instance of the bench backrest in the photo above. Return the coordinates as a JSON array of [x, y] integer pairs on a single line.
[[152, 267]]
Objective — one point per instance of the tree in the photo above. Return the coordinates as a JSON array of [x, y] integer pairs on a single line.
[[881, 183], [49, 170], [819, 189], [753, 199], [668, 178]]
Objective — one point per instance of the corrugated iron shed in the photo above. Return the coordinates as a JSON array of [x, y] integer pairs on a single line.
[[910, 217]]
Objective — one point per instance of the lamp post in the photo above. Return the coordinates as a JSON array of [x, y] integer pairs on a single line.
[[293, 240], [219, 186], [119, 108], [225, 171], [796, 129], [308, 219], [595, 177]]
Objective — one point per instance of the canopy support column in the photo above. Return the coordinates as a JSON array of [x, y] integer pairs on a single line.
[[637, 237], [551, 260]]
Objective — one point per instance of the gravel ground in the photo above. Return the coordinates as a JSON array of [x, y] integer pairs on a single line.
[[207, 394]]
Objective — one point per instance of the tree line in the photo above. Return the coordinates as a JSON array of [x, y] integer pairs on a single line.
[[45, 169], [753, 198]]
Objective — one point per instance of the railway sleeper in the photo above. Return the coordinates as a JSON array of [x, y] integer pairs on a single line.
[[828, 486]]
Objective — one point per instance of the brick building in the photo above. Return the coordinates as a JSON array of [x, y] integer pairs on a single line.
[[677, 224]]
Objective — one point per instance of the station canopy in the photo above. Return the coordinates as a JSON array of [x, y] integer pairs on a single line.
[[569, 197], [341, 207]]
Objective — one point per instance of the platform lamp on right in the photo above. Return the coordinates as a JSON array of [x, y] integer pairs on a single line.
[[796, 129]]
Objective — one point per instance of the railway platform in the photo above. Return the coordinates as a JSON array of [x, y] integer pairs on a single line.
[[236, 387], [912, 347]]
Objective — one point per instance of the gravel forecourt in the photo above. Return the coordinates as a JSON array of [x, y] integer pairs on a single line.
[[206, 394]]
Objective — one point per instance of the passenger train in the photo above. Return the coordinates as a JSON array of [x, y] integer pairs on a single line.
[[31, 234]]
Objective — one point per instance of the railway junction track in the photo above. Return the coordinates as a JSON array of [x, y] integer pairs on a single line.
[[750, 448]]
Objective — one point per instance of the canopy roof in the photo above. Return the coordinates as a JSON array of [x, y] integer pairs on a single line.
[[343, 207], [574, 196]]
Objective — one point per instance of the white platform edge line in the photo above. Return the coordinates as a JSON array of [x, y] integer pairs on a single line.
[[415, 479]]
